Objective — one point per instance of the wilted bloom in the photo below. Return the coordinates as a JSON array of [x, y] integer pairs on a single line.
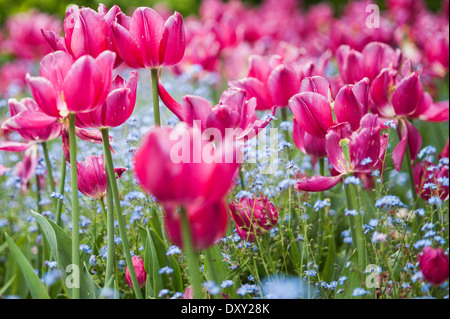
[[272, 82], [348, 151], [313, 107], [116, 109], [30, 122], [354, 65], [92, 176], [234, 111], [68, 86], [434, 265], [25, 37], [146, 41], [253, 216], [86, 31], [141, 275]]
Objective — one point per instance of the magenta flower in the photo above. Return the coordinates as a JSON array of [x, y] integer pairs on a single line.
[[116, 109], [354, 65], [234, 111], [72, 86], [366, 149], [271, 82], [307, 143], [434, 265], [146, 41], [208, 223], [86, 32], [32, 124], [168, 163], [253, 216], [139, 269], [395, 95], [312, 108], [92, 176]]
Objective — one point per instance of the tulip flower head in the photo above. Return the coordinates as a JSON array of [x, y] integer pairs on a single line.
[[141, 275], [434, 265], [253, 216], [92, 176], [145, 40], [68, 86]]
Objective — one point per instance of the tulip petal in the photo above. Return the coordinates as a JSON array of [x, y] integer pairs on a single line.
[[126, 46], [347, 108], [255, 88], [407, 95], [45, 95], [86, 77], [172, 46], [10, 146], [258, 68], [313, 113], [410, 136], [283, 83], [316, 84], [317, 183], [147, 28]]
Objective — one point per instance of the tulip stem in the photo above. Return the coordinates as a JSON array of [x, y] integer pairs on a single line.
[[155, 97], [51, 181], [356, 226], [61, 191], [321, 211], [75, 207], [411, 174], [192, 258], [115, 191], [241, 177], [109, 211]]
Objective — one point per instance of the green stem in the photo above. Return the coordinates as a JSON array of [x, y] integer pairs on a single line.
[[61, 191], [75, 207], [51, 181], [155, 97], [321, 211], [212, 266], [110, 233], [122, 229], [241, 177], [356, 226], [192, 258]]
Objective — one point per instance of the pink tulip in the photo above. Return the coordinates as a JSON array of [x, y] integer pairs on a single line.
[[234, 111], [146, 41], [141, 275], [366, 152], [86, 32], [354, 65], [116, 109], [25, 38], [171, 160], [307, 143], [92, 176], [434, 265], [208, 223], [33, 125], [312, 108], [72, 86], [269, 81], [253, 216]]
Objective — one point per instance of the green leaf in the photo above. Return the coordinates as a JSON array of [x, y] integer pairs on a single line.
[[37, 289], [6, 286], [61, 247], [221, 268], [354, 278]]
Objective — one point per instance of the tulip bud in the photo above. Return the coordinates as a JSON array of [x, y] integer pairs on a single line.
[[141, 275], [253, 216], [434, 265]]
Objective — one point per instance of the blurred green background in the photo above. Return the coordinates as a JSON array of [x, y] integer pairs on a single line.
[[185, 7]]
